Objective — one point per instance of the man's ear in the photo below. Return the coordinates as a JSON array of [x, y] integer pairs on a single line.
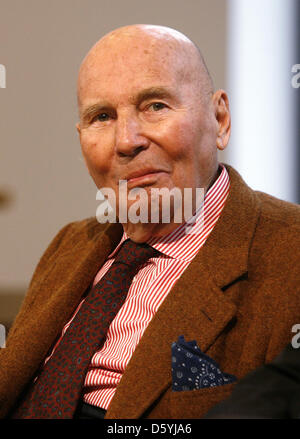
[[78, 128], [222, 115]]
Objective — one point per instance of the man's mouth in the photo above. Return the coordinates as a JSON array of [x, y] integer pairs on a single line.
[[143, 177]]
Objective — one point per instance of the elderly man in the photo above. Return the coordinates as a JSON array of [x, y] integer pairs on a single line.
[[153, 318]]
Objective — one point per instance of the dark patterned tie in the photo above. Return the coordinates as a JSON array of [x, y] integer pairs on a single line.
[[56, 392]]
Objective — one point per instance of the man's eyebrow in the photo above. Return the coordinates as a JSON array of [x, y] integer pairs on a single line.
[[91, 110], [154, 92], [148, 93]]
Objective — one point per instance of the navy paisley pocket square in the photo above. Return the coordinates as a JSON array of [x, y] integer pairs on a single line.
[[191, 369]]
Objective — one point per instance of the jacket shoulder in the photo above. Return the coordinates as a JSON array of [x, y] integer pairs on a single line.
[[279, 226], [279, 211], [73, 233], [274, 252]]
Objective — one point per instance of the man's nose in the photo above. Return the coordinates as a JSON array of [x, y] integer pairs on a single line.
[[130, 138]]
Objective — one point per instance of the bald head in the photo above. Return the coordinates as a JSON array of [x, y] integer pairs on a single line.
[[135, 42]]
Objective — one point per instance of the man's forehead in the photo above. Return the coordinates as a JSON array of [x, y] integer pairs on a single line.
[[136, 77], [143, 92], [148, 54], [138, 54], [144, 38]]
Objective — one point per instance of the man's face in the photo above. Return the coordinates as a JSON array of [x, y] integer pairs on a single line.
[[143, 120]]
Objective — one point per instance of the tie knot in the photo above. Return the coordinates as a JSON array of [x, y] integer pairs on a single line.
[[134, 254]]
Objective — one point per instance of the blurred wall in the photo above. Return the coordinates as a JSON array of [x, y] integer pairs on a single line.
[[263, 48], [41, 170]]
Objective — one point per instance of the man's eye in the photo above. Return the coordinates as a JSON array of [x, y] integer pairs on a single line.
[[156, 106], [102, 117]]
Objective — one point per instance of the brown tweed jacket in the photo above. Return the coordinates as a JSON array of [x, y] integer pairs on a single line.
[[239, 299]]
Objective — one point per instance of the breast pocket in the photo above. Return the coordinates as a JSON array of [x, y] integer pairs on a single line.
[[194, 404]]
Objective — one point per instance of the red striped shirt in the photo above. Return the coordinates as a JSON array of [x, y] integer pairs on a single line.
[[148, 290]]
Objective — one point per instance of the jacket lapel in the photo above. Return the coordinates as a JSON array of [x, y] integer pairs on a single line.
[[196, 307]]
